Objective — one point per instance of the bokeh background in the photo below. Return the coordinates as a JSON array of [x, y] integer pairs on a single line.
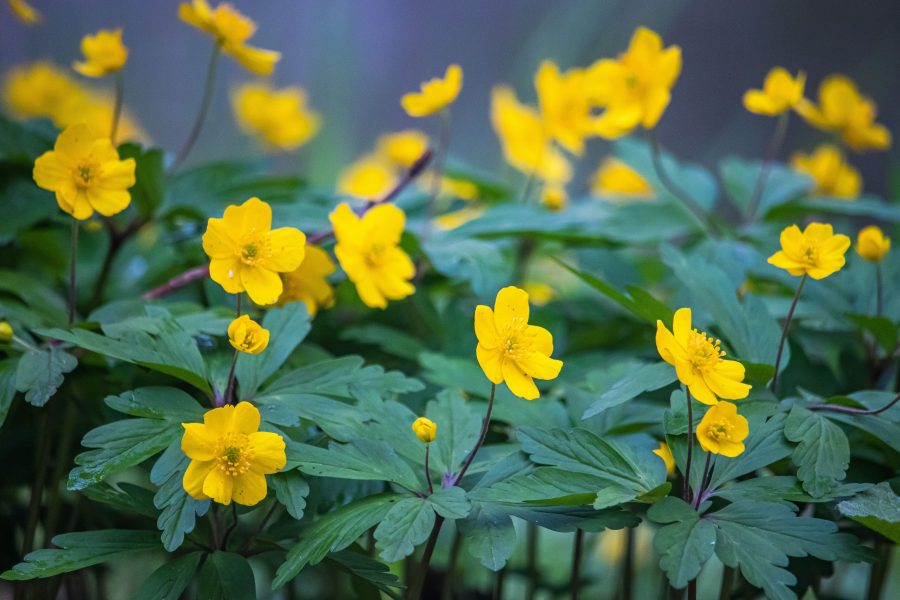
[[356, 58]]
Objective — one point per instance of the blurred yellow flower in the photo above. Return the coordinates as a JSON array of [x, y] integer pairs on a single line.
[[554, 196], [24, 12], [564, 106], [370, 177], [511, 350], [458, 218], [248, 336], [246, 254], [781, 92], [634, 89], [450, 186], [402, 148], [369, 252], [425, 429], [231, 30], [816, 251], [308, 283], [281, 118], [615, 179], [540, 294], [872, 244], [698, 361], [104, 53], [722, 430], [230, 457], [834, 176], [843, 110], [6, 332], [524, 141], [665, 453], [85, 173], [434, 95]]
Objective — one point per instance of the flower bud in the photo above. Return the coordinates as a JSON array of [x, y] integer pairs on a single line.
[[6, 332], [872, 244], [246, 335], [425, 429]]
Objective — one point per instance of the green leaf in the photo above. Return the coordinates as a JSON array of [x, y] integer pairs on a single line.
[[365, 459], [366, 568], [170, 580], [25, 205], [40, 373], [548, 486], [459, 427], [485, 265], [334, 532], [782, 184], [79, 550], [882, 329], [288, 327], [42, 299], [127, 497], [640, 303], [388, 339], [783, 488], [7, 386], [878, 508], [490, 535], [226, 576], [450, 502], [163, 403], [764, 446], [651, 376], [291, 490], [147, 192], [22, 142], [404, 527], [869, 207], [822, 454], [685, 544], [178, 511]]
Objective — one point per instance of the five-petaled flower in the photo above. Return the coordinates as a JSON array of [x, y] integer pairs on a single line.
[[369, 252], [248, 336], [843, 110], [435, 95], [781, 92], [104, 53], [511, 350], [565, 107], [279, 117], [816, 251], [247, 254], [699, 361], [308, 283], [230, 457], [231, 30], [86, 174], [872, 244], [425, 429], [722, 430], [833, 175]]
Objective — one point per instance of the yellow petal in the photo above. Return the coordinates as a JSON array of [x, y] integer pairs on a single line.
[[542, 340], [491, 362], [386, 223], [197, 443], [108, 202], [701, 391], [262, 285], [227, 273], [268, 452], [511, 303], [218, 486], [681, 326], [195, 476], [51, 171], [540, 366], [254, 214], [249, 488], [288, 248], [245, 418], [518, 382], [255, 60], [217, 240]]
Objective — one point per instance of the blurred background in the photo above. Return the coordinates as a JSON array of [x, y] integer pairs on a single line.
[[357, 58]]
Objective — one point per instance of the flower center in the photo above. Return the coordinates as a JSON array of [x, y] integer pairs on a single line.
[[234, 453], [703, 352], [810, 254], [720, 430], [84, 174], [248, 341], [254, 247], [375, 255], [516, 342]]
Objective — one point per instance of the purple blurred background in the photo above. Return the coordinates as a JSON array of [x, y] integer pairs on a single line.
[[357, 58]]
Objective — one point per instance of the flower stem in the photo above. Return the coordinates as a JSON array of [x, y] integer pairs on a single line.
[[784, 332], [259, 528], [771, 154], [577, 543], [699, 495], [879, 291], [628, 565], [849, 410], [231, 528], [229, 387], [201, 115], [531, 557], [686, 492], [117, 108], [484, 430], [438, 172], [428, 469], [73, 264]]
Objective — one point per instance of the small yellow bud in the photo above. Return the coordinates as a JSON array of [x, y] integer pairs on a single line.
[[246, 335], [872, 244], [6, 332], [425, 429]]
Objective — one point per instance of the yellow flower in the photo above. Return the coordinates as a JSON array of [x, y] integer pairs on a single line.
[[511, 350], [699, 362], [565, 108], [425, 429], [104, 53], [370, 177], [722, 430], [524, 141], [6, 332], [369, 252], [615, 179], [842, 109], [540, 294], [872, 244], [96, 110], [247, 254], [231, 30], [248, 336], [458, 218], [308, 283], [636, 88], [403, 148], [816, 252], [833, 175], [434, 95], [24, 12], [230, 457], [39, 90], [85, 173], [554, 197], [781, 92], [450, 186], [665, 453], [280, 117]]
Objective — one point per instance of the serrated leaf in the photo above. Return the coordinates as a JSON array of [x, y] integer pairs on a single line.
[[163, 403], [450, 502], [485, 265], [782, 184], [40, 373], [365, 459], [685, 544], [545, 485], [882, 329], [147, 193], [404, 527], [651, 376], [170, 580], [878, 508], [388, 339], [288, 327], [764, 446], [226, 576], [291, 490], [178, 511], [126, 497], [459, 428], [822, 455], [79, 550], [359, 564], [490, 535]]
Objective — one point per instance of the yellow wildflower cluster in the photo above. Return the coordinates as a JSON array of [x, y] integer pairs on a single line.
[[280, 118], [832, 174]]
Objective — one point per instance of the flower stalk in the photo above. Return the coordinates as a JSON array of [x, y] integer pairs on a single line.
[[784, 332], [772, 150], [117, 108], [686, 492], [208, 88], [73, 270]]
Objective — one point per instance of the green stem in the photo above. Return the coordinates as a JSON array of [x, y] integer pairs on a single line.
[[229, 387], [727, 583], [73, 265], [259, 528], [428, 469], [628, 565], [438, 172], [531, 555], [577, 543], [231, 528], [879, 570], [484, 429], [415, 588], [686, 492], [117, 109], [699, 495], [499, 583], [784, 332], [447, 590], [771, 154], [37, 487], [879, 291], [208, 88]]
